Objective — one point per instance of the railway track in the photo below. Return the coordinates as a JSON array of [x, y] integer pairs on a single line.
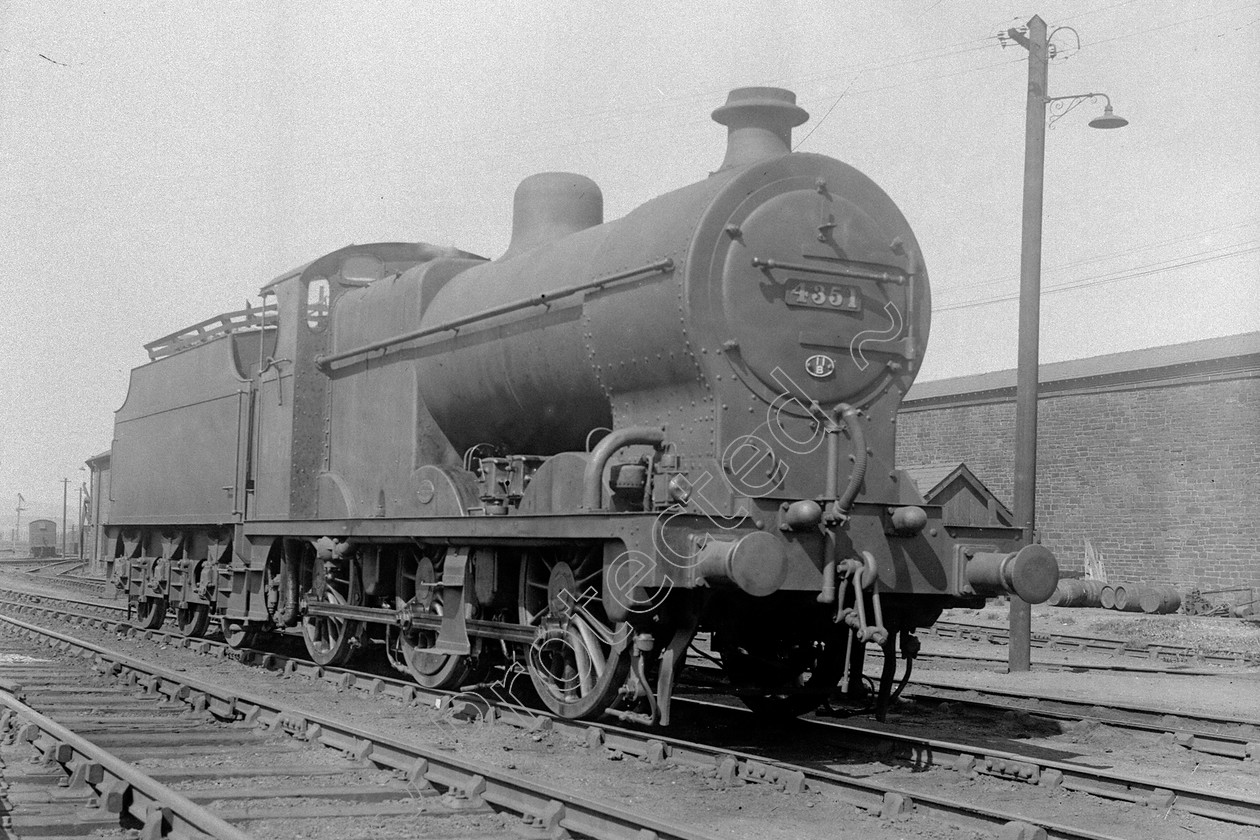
[[1068, 642], [37, 562], [251, 758], [1233, 738], [967, 760], [1223, 737], [83, 609], [81, 583], [1180, 658], [999, 663]]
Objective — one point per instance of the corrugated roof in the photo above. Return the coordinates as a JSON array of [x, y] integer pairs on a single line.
[[1172, 355]]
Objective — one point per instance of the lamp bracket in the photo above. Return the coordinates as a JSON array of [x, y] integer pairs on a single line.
[[1061, 106]]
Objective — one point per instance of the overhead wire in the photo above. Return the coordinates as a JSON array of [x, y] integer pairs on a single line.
[[930, 54], [1089, 12], [1110, 256], [618, 113], [622, 109], [823, 118], [1171, 25], [1099, 280], [322, 163], [593, 119]]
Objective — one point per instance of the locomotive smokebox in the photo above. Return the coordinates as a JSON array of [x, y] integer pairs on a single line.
[[759, 122], [551, 205]]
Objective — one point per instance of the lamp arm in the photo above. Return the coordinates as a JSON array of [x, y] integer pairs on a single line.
[[1049, 99], [1060, 106]]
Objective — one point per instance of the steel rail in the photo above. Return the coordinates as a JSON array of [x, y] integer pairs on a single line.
[[917, 751], [1075, 642], [75, 581], [542, 804], [1218, 735], [1232, 738], [971, 759], [116, 783], [878, 798], [1079, 666], [34, 599], [1221, 736]]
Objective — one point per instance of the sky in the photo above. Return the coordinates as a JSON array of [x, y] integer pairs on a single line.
[[160, 162]]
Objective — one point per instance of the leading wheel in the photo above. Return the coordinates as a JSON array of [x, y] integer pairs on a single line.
[[418, 579], [150, 613], [193, 619], [329, 640], [578, 660]]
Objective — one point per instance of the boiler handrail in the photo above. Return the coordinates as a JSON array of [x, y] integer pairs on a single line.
[[543, 299]]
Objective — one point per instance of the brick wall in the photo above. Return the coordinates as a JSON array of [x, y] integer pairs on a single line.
[[1161, 475]]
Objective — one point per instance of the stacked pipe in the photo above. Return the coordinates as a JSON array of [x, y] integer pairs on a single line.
[[1127, 597]]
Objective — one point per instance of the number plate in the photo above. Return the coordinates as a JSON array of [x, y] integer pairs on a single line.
[[822, 295]]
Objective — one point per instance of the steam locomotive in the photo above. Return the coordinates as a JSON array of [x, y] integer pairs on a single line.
[[571, 459]]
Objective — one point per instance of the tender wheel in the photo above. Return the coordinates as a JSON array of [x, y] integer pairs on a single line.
[[150, 613], [193, 619], [331, 641], [578, 661], [238, 636], [783, 680], [418, 577]]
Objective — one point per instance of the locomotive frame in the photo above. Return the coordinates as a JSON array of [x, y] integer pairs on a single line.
[[571, 459]]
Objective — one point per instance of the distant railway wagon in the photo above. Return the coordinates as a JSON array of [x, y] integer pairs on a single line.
[[43, 538]]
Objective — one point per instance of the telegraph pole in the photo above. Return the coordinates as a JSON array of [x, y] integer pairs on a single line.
[[1037, 42], [80, 520], [65, 497], [18, 529], [1020, 616]]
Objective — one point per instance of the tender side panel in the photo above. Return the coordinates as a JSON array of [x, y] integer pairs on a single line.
[[177, 440]]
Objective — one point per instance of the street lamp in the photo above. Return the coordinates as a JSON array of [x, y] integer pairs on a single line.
[[1061, 105], [1037, 43]]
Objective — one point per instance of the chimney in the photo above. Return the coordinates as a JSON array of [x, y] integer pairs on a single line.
[[551, 205], [759, 122]]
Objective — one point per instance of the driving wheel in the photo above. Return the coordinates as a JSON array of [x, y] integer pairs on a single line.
[[419, 579], [578, 660], [330, 640]]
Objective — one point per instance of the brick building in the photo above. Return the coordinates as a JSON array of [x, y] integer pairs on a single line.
[[1153, 455]]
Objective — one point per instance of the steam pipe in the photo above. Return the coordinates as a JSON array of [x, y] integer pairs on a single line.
[[593, 478], [852, 417]]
